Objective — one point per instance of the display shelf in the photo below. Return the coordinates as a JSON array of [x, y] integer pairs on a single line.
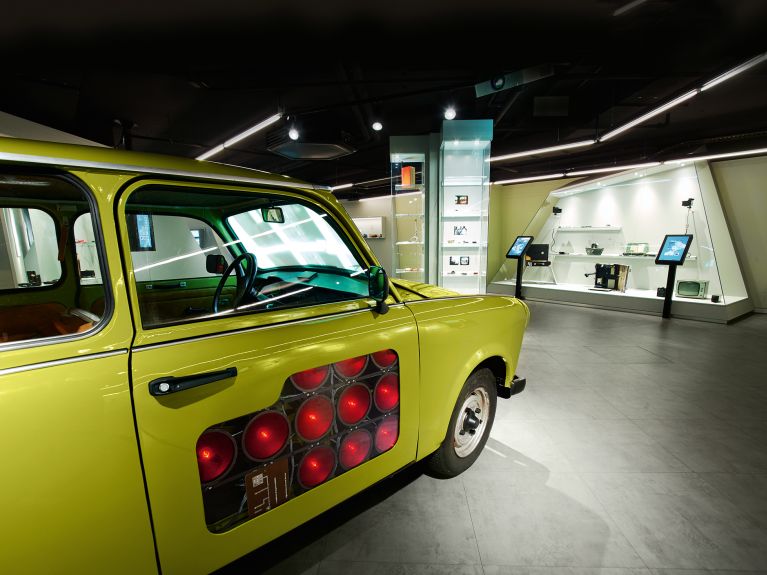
[[462, 246], [408, 205], [461, 216], [401, 188], [648, 258], [409, 271], [589, 229], [408, 243], [406, 215]]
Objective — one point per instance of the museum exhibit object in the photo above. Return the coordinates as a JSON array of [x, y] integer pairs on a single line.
[[197, 358]]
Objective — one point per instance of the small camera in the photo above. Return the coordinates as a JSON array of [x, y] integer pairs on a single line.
[[556, 210], [687, 203]]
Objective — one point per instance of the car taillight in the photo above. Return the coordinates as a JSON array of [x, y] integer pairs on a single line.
[[384, 358], [355, 448], [351, 367], [353, 404], [314, 418], [310, 379], [386, 393], [265, 435], [316, 466], [215, 454], [386, 434]]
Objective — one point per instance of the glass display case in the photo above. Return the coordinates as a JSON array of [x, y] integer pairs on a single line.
[[464, 196], [597, 242], [408, 191]]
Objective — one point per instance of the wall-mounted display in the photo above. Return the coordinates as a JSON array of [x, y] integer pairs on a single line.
[[371, 227], [620, 220]]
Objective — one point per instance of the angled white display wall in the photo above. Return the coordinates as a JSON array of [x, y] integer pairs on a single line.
[[622, 219]]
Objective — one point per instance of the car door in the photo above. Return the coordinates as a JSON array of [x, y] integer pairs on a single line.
[[253, 420], [72, 496]]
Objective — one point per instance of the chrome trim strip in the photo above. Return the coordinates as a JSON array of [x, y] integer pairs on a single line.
[[56, 362], [249, 329], [72, 163]]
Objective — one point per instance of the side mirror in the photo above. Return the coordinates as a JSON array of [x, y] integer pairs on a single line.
[[215, 264], [273, 215], [378, 287]]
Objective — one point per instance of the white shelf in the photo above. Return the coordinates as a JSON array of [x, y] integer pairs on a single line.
[[461, 217], [408, 215], [650, 259], [464, 275], [409, 271], [408, 243], [589, 229], [462, 246]]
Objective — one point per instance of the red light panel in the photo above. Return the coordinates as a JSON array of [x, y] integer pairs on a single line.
[[384, 358], [386, 393], [314, 418], [351, 367], [215, 454], [353, 404], [387, 434], [310, 379], [355, 448], [316, 466], [265, 435]]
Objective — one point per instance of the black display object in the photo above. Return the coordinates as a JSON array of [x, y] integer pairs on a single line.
[[672, 252], [517, 252]]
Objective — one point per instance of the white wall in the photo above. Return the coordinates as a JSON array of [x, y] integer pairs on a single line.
[[742, 186], [381, 247]]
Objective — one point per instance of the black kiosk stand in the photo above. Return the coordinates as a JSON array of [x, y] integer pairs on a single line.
[[672, 253], [517, 252]]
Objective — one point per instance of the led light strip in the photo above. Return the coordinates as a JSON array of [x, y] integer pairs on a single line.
[[652, 113], [241, 136]]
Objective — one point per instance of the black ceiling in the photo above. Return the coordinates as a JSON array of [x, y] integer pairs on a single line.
[[179, 78]]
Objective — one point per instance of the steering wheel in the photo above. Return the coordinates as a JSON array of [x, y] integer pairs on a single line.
[[245, 279]]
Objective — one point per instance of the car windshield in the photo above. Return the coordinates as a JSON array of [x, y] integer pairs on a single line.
[[303, 240]]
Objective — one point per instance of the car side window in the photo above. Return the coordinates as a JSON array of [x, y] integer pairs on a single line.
[[41, 260], [201, 254]]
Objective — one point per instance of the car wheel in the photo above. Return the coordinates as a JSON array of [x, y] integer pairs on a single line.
[[469, 427]]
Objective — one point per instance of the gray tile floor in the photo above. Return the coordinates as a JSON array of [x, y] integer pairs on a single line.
[[638, 448]]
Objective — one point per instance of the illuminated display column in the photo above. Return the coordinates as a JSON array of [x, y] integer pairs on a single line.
[[463, 203]]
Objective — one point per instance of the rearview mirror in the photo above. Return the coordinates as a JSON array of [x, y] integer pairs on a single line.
[[273, 215], [215, 264], [378, 287]]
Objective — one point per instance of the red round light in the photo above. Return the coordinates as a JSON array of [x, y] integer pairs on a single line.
[[310, 379], [387, 434], [314, 418], [355, 448], [351, 367], [386, 393], [385, 358], [265, 435], [316, 466], [215, 454], [353, 404]]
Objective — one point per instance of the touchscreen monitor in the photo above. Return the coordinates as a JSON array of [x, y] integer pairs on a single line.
[[674, 249], [519, 246]]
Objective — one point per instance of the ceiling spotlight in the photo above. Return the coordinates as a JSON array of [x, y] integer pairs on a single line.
[[450, 113], [377, 126], [293, 133]]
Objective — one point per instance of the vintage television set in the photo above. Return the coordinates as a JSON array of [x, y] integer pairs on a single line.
[[692, 288]]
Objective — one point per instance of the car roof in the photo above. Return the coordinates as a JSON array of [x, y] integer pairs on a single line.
[[101, 158]]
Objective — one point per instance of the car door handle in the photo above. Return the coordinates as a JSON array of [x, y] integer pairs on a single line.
[[169, 384]]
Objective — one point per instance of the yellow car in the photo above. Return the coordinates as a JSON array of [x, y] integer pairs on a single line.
[[196, 358]]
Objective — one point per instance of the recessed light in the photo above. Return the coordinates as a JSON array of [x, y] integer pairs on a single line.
[[293, 134], [377, 126], [450, 113]]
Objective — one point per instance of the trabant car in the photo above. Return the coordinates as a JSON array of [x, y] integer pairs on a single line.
[[196, 359]]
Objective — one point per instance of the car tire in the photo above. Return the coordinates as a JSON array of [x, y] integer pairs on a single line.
[[467, 432]]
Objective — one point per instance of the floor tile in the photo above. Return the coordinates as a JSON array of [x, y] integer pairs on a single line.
[[678, 520], [543, 519]]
